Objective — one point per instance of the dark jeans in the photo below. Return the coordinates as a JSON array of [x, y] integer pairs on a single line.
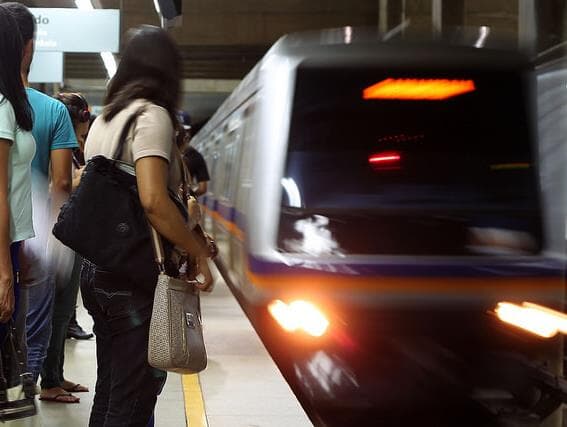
[[127, 386], [64, 303]]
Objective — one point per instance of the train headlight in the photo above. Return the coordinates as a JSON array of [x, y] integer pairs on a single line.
[[299, 315], [533, 318]]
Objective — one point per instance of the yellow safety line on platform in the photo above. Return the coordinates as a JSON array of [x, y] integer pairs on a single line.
[[194, 405]]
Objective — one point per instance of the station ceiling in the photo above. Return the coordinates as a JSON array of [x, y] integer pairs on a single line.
[[222, 39]]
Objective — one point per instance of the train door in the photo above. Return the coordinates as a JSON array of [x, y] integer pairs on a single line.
[[231, 184], [225, 200], [216, 172], [206, 199], [242, 193]]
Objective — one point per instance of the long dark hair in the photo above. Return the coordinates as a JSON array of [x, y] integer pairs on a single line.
[[150, 69], [11, 86]]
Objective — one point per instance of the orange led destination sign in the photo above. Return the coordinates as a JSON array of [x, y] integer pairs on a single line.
[[418, 89]]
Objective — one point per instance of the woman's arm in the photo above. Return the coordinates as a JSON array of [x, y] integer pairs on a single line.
[[77, 174], [6, 279], [151, 176]]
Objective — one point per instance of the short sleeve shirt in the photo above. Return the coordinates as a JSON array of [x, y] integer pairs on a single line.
[[152, 135], [22, 151], [52, 130]]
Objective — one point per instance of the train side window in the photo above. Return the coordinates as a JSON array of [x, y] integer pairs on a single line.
[[215, 169], [230, 159], [248, 136]]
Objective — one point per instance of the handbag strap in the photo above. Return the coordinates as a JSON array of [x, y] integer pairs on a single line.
[[157, 243], [184, 176], [124, 135], [158, 248]]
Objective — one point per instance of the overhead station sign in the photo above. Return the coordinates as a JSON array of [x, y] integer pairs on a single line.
[[70, 30], [75, 30]]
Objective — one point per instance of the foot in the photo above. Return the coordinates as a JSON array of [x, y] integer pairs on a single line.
[[75, 331], [73, 387], [57, 394]]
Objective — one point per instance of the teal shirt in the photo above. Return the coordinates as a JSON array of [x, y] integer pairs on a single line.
[[22, 149], [52, 130]]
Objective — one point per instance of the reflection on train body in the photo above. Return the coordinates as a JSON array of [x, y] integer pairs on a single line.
[[381, 201]]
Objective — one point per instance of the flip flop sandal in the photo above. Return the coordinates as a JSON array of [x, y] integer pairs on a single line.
[[58, 398], [77, 388]]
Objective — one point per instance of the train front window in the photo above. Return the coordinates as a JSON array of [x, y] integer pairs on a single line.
[[395, 175]]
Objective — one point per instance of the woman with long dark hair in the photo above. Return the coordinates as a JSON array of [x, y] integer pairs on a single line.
[[17, 148], [147, 82], [54, 387]]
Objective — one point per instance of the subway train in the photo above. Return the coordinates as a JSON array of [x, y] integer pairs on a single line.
[[379, 200]]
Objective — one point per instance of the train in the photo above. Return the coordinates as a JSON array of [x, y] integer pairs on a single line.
[[380, 200]]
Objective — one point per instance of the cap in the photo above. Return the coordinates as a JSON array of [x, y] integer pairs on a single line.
[[185, 119]]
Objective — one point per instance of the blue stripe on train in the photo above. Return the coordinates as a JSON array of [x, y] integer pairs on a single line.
[[433, 268]]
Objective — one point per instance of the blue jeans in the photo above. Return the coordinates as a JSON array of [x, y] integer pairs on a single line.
[[126, 386], [38, 290], [64, 301], [38, 323]]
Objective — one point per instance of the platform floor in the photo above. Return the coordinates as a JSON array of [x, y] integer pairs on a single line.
[[241, 386]]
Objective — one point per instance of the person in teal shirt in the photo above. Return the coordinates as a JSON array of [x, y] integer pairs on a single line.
[[53, 127], [51, 184]]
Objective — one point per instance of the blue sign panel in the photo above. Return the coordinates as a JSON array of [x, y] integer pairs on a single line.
[[46, 67], [74, 30]]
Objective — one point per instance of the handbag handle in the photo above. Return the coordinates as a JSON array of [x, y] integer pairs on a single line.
[[155, 236], [122, 141], [158, 248]]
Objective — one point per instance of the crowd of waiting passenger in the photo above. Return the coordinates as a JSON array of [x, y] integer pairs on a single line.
[[44, 142]]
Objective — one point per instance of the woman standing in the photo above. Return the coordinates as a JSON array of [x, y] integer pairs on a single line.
[[17, 148], [147, 82], [54, 387]]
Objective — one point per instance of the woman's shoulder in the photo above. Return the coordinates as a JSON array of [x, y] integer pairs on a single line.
[[152, 109], [7, 115], [155, 116], [6, 105]]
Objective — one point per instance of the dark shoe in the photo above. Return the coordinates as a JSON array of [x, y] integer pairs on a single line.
[[75, 331]]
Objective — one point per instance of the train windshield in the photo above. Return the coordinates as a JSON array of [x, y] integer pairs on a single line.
[[405, 163]]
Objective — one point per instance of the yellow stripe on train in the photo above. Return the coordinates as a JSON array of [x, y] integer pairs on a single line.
[[229, 226], [483, 286]]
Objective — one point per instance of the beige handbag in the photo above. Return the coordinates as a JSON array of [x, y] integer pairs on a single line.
[[176, 332]]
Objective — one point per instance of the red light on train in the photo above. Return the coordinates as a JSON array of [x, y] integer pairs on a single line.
[[418, 89], [385, 158]]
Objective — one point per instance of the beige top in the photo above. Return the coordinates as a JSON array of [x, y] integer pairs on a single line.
[[153, 135]]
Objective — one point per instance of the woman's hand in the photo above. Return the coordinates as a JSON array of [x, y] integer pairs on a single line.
[[194, 211], [77, 173], [6, 296], [212, 247], [204, 280]]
